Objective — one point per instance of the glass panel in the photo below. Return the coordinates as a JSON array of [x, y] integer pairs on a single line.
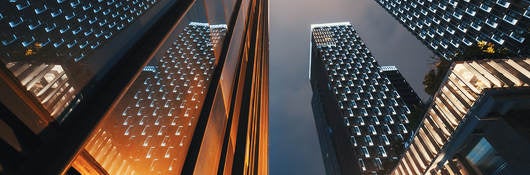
[[484, 158], [150, 130]]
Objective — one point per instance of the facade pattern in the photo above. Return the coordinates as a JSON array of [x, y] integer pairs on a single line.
[[454, 107], [66, 29], [372, 112], [54, 48], [158, 116], [447, 27], [402, 86], [134, 87]]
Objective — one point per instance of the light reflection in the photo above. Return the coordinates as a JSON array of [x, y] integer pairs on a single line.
[[49, 83], [154, 121]]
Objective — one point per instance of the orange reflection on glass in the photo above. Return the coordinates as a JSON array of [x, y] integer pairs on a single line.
[[150, 130]]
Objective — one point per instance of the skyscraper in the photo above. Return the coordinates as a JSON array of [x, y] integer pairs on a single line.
[[447, 27], [360, 117], [145, 87], [475, 124], [409, 96], [402, 86]]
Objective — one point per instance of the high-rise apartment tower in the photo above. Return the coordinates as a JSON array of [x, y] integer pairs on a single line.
[[360, 117], [448, 27]]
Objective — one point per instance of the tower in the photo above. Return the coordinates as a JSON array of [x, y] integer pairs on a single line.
[[360, 117], [448, 27], [145, 86]]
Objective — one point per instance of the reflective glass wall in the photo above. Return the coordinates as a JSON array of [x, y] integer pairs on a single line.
[[133, 87]]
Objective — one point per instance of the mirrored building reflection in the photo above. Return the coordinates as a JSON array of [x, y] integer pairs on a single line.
[[361, 118], [134, 87], [154, 123], [477, 123]]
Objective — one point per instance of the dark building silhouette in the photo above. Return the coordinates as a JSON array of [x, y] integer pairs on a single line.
[[402, 86], [409, 96], [360, 116], [134, 87]]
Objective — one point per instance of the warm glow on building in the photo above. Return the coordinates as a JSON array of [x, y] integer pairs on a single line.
[[475, 97], [134, 87]]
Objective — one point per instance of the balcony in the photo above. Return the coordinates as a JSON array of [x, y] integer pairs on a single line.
[[497, 39], [485, 7], [471, 11], [510, 19], [492, 23], [517, 37], [503, 3], [476, 26]]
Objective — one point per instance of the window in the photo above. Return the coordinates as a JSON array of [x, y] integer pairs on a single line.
[[497, 39], [377, 111], [356, 96], [375, 120], [527, 12], [396, 94], [356, 130], [485, 7], [381, 151], [509, 18], [503, 3], [353, 104], [365, 151], [406, 109], [402, 128], [385, 88], [364, 112], [393, 102], [367, 103], [403, 118], [387, 129], [517, 36], [353, 141], [485, 158], [389, 119], [382, 95], [385, 140], [372, 129], [361, 164], [380, 103], [492, 22], [346, 122], [344, 98], [368, 140], [360, 121]]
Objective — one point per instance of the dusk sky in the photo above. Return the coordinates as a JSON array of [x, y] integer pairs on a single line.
[[294, 147]]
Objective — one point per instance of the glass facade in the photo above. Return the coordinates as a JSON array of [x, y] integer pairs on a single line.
[[53, 48], [144, 86], [447, 27], [455, 114], [354, 100], [157, 117]]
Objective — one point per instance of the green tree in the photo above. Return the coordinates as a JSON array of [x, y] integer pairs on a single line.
[[434, 77]]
